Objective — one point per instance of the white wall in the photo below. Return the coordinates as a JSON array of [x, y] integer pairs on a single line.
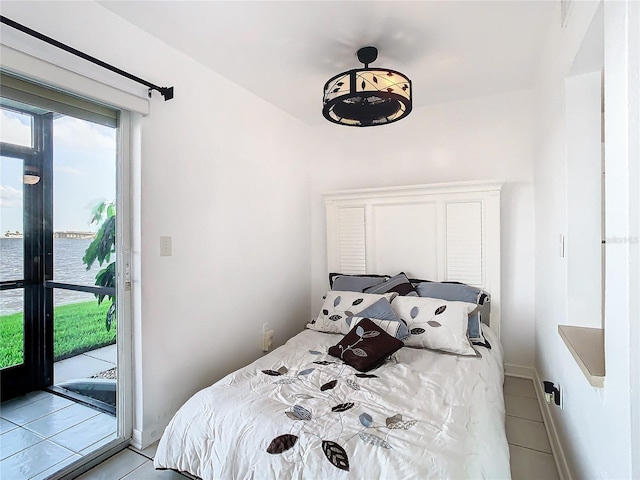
[[233, 194], [594, 426], [584, 184], [489, 138], [221, 173]]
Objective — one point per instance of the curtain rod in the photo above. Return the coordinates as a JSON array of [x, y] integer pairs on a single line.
[[166, 92]]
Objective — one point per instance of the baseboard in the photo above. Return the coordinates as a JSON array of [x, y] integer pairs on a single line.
[[519, 371], [141, 439], [136, 439], [552, 433], [558, 453]]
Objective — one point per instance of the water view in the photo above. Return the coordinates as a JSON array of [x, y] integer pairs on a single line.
[[67, 268]]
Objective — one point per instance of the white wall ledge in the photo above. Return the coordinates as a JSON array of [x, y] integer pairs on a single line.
[[587, 347]]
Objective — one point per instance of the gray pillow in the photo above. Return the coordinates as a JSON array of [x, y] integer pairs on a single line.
[[454, 292], [354, 283], [459, 292], [382, 310]]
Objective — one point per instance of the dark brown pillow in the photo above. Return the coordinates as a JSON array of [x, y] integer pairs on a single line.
[[366, 346], [398, 283]]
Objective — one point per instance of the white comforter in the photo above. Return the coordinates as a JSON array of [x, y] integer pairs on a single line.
[[425, 415]]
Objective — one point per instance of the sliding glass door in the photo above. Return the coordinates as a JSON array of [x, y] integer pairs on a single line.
[[64, 279]]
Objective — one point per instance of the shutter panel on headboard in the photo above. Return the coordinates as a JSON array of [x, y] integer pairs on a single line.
[[464, 243], [351, 240], [441, 232]]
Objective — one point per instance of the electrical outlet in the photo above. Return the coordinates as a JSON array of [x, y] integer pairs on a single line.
[[561, 395], [552, 393], [267, 337]]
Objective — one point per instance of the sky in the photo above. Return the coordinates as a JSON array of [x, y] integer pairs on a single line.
[[84, 171]]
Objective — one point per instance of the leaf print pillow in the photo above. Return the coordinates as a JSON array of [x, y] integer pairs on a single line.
[[366, 346], [338, 308], [436, 324]]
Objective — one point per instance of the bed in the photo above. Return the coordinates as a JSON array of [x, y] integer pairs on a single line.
[[431, 407]]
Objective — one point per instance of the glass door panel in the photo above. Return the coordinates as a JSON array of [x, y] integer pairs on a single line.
[[84, 248], [16, 128], [11, 327], [12, 248], [84, 186], [85, 355]]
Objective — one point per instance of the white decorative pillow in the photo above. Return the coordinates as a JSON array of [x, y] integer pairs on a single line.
[[436, 324], [339, 306]]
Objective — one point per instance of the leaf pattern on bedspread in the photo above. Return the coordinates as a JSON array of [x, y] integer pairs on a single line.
[[365, 419], [329, 385], [286, 381], [317, 423], [343, 407], [301, 413], [373, 440], [304, 396], [391, 420], [397, 423], [352, 384], [282, 443], [403, 425], [335, 454]]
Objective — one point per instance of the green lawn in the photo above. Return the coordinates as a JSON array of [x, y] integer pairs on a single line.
[[78, 327]]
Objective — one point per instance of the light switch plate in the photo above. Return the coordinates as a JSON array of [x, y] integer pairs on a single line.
[[165, 246]]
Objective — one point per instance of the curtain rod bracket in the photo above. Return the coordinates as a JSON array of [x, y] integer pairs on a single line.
[[166, 92]]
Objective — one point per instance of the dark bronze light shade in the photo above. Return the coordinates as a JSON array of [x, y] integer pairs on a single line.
[[365, 97]]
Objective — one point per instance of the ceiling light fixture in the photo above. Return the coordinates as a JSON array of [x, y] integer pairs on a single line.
[[365, 97]]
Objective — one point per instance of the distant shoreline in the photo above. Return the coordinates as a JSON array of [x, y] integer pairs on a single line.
[[66, 234]]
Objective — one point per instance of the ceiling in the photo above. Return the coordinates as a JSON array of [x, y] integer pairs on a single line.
[[284, 51]]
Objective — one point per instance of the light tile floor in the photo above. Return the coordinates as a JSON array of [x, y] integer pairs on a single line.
[[531, 457], [132, 464], [40, 433]]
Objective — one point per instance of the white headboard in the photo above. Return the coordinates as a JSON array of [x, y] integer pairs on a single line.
[[440, 232]]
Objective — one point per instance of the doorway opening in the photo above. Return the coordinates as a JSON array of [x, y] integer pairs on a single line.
[[59, 243]]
